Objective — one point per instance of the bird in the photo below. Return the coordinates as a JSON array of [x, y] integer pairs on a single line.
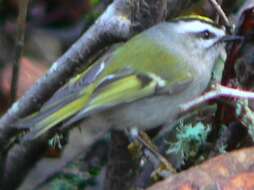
[[140, 84]]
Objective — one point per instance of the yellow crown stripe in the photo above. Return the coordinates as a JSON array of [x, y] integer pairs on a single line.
[[196, 17]]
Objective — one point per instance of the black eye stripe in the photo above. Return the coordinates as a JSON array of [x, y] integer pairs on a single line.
[[206, 34]]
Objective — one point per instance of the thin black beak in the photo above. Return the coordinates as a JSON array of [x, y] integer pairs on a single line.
[[230, 38]]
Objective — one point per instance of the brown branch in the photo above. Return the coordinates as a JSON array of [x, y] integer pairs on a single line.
[[237, 174], [21, 27], [144, 139]]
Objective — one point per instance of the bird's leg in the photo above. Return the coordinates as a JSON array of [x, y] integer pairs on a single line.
[[165, 167]]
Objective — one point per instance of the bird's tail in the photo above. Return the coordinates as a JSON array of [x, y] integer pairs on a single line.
[[52, 115]]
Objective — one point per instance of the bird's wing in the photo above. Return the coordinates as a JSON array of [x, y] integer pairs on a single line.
[[112, 90], [122, 87]]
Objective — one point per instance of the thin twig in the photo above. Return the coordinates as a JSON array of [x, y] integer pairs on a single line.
[[216, 92], [220, 12], [218, 15], [21, 28], [146, 141]]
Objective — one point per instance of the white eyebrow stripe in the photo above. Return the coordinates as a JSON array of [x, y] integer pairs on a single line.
[[197, 26]]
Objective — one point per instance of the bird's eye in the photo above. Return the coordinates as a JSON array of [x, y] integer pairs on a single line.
[[206, 34]]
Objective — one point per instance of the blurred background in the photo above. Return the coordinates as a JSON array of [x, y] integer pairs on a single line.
[[52, 27]]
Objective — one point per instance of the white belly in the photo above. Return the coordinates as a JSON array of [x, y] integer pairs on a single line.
[[146, 113]]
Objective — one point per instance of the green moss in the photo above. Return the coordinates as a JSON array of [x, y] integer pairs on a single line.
[[70, 182], [60, 184], [95, 171], [190, 139]]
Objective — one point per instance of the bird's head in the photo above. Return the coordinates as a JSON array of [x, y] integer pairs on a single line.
[[200, 37]]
